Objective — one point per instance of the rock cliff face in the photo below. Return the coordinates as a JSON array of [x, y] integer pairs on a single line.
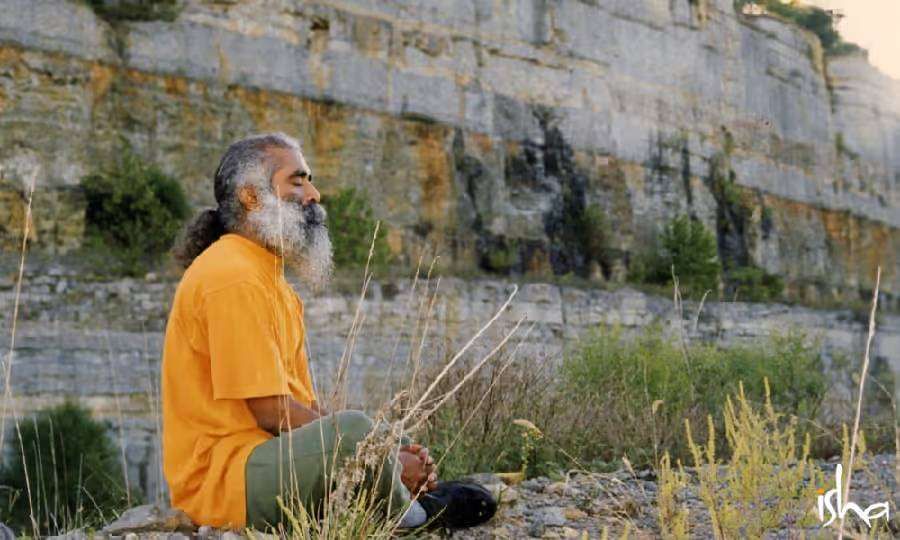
[[482, 130]]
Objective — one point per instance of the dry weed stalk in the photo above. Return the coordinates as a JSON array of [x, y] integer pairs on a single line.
[[425, 395], [682, 338], [415, 357], [387, 389], [156, 410], [8, 407], [859, 398], [119, 418], [673, 516], [7, 368], [483, 397], [385, 439]]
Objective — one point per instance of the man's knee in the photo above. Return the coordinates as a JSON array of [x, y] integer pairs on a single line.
[[353, 425]]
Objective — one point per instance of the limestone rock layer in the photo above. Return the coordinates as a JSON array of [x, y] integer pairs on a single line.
[[480, 129]]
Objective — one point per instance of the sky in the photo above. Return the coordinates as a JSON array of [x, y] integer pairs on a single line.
[[873, 25]]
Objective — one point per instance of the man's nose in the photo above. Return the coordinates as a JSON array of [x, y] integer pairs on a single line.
[[311, 195]]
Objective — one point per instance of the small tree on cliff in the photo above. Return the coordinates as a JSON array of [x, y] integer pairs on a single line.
[[350, 224], [686, 247]]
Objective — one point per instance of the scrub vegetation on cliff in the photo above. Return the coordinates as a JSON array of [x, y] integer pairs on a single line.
[[687, 252], [135, 10], [134, 212], [350, 222], [815, 19]]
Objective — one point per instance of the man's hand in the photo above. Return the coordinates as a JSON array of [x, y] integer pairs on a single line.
[[280, 413], [418, 469], [319, 409]]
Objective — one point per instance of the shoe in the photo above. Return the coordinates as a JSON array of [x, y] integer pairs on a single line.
[[456, 504]]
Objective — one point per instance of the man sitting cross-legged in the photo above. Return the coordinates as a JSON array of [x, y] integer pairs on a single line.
[[241, 422]]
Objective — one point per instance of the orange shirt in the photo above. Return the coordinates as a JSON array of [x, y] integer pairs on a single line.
[[235, 332]]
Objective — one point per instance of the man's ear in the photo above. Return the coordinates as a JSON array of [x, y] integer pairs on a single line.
[[249, 199]]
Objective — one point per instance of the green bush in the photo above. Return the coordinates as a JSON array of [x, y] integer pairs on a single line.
[[844, 48], [135, 211], [135, 10], [350, 225], [812, 18], [615, 396], [753, 284], [596, 233], [690, 248], [503, 256], [638, 392], [74, 476]]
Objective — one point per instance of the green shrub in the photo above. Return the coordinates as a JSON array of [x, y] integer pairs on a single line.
[[350, 224], [690, 248], [812, 18], [135, 10], [844, 48], [73, 473], [596, 234], [615, 396], [753, 284], [504, 256], [840, 146], [134, 210], [638, 392]]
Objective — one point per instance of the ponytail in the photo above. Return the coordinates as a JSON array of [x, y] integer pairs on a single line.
[[200, 233]]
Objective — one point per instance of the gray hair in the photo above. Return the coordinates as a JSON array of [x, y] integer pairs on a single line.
[[246, 162]]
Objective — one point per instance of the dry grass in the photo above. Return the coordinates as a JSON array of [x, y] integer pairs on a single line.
[[476, 430], [673, 513], [350, 509]]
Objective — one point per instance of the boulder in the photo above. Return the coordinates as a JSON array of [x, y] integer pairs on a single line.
[[150, 517]]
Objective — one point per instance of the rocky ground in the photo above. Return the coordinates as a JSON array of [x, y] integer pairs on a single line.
[[580, 506], [587, 504]]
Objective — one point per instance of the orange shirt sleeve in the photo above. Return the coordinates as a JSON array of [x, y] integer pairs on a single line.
[[244, 353]]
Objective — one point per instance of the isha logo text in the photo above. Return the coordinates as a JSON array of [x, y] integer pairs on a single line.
[[840, 510]]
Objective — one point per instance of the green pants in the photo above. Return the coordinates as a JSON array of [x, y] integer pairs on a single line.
[[301, 463]]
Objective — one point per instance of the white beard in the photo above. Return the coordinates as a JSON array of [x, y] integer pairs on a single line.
[[297, 234]]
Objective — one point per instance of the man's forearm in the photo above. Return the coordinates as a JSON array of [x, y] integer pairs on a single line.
[[276, 414], [297, 415], [318, 408]]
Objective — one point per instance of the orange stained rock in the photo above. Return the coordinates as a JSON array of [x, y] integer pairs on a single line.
[[100, 81], [435, 175]]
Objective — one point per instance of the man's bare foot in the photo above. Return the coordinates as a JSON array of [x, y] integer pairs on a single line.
[[418, 468]]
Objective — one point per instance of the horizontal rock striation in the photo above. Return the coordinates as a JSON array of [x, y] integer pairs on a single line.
[[481, 130]]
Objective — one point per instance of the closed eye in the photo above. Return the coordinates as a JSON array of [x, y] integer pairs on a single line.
[[302, 175]]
